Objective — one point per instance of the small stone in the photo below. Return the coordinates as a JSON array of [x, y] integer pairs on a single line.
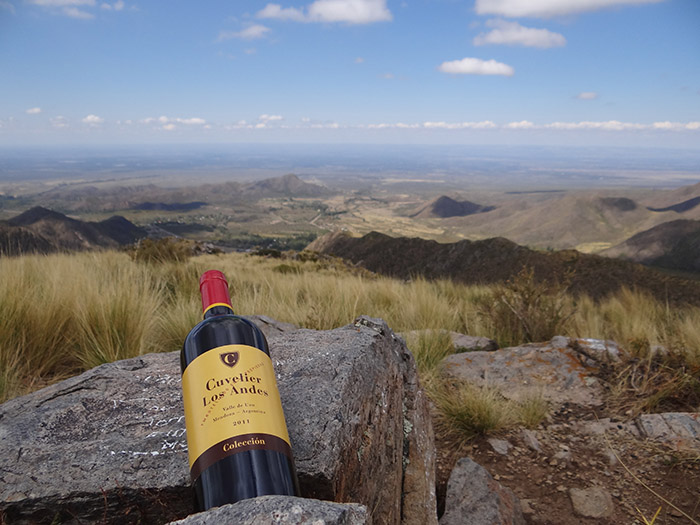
[[530, 440], [593, 502], [500, 446]]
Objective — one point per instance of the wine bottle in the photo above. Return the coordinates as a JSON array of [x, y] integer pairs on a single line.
[[237, 437]]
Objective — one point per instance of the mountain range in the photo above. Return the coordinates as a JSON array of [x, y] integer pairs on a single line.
[[587, 220], [498, 260], [40, 230], [82, 198]]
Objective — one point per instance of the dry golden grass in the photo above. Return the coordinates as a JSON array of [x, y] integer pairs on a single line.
[[62, 314]]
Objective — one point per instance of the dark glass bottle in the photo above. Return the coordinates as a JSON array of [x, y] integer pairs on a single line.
[[236, 433]]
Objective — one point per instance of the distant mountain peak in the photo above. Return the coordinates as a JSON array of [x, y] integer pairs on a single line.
[[444, 207], [36, 214]]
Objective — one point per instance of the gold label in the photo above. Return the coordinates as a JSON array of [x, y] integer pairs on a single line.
[[231, 405]]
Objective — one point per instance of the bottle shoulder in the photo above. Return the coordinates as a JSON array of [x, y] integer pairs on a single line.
[[220, 331]]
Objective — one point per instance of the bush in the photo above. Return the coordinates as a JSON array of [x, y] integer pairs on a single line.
[[524, 310]]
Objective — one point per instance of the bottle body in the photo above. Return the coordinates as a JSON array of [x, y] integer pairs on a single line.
[[236, 434]]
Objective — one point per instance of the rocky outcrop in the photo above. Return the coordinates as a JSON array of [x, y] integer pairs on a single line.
[[283, 510], [561, 371], [109, 445]]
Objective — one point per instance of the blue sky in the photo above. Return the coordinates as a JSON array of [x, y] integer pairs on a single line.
[[607, 72]]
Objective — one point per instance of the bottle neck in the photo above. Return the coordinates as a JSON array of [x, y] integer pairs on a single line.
[[215, 297]]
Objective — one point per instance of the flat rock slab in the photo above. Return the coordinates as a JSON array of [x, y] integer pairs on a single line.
[[558, 371], [109, 445], [272, 510]]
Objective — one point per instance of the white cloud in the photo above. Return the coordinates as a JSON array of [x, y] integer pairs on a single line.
[[605, 126], [168, 121], [270, 118], [587, 95], [476, 66], [513, 34], [117, 6], [348, 11], [282, 13], [249, 33], [397, 125], [523, 124], [33, 111], [486, 124], [62, 3], [609, 125], [74, 12], [351, 11], [191, 121], [69, 8], [169, 127], [548, 8], [93, 120], [676, 126]]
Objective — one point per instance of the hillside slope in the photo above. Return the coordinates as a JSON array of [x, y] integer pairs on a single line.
[[497, 260], [673, 244]]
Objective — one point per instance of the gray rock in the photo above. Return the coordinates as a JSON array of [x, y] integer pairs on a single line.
[[530, 440], [681, 430], [273, 510], [470, 343], [109, 445], [474, 497], [593, 502], [555, 371], [500, 446]]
